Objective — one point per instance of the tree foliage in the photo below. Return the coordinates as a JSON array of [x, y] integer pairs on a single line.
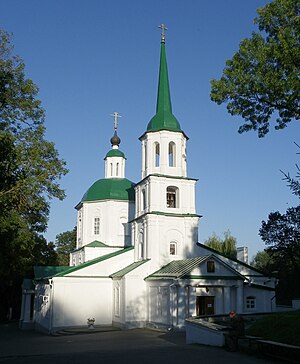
[[226, 246], [30, 168], [65, 243], [293, 182], [263, 262], [263, 77], [281, 234]]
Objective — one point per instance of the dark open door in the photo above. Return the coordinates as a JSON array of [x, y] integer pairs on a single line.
[[205, 305]]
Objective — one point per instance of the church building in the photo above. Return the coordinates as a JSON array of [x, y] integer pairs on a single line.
[[138, 261]]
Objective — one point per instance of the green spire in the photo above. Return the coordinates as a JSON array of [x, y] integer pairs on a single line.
[[164, 118]]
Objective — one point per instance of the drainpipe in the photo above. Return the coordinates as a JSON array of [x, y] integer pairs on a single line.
[[51, 302]]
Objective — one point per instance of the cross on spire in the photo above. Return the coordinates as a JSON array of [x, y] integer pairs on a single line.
[[116, 115], [163, 28]]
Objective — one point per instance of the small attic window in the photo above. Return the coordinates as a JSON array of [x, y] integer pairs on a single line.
[[210, 266]]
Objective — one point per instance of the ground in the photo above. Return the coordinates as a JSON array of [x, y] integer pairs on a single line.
[[110, 346]]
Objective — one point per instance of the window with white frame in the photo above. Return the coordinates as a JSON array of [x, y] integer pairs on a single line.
[[250, 303], [96, 225]]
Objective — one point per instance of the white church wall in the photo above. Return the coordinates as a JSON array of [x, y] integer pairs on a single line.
[[160, 311], [118, 309], [77, 299], [220, 269], [258, 300], [42, 306], [160, 231], [92, 253], [136, 296], [114, 216], [107, 266]]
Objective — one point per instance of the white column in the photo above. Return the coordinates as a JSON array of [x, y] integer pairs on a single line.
[[226, 299], [240, 298]]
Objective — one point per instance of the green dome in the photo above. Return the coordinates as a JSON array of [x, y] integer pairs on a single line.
[[110, 189], [115, 153], [163, 121]]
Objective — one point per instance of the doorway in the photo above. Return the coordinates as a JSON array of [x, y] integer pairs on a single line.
[[205, 305]]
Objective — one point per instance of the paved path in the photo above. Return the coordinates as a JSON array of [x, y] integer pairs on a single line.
[[138, 346]]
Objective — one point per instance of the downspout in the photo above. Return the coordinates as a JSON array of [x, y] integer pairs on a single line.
[[51, 302]]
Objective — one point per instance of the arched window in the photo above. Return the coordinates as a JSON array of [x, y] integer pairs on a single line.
[[172, 154], [250, 303], [141, 244], [117, 169], [143, 200], [173, 248], [172, 197], [157, 154], [111, 169], [145, 156]]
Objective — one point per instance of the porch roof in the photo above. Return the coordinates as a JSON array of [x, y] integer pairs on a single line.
[[177, 268], [121, 273]]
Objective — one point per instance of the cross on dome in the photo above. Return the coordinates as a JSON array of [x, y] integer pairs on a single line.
[[116, 115], [163, 28]]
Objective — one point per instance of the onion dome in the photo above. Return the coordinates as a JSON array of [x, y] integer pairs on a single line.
[[115, 140]]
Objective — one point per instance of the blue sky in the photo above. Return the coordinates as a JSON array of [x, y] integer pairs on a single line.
[[91, 58]]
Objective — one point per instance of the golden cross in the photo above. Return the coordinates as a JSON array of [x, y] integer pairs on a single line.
[[163, 28], [116, 115]]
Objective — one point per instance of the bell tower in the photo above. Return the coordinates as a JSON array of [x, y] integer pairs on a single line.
[[166, 224]]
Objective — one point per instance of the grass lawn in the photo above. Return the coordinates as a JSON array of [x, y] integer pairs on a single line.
[[283, 327]]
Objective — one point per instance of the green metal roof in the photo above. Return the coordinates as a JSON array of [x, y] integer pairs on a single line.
[[115, 153], [48, 271], [97, 244], [178, 268], [164, 118], [110, 189], [121, 273], [182, 268], [93, 261]]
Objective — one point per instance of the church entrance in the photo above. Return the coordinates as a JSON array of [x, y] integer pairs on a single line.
[[205, 305]]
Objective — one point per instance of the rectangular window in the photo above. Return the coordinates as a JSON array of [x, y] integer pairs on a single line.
[[97, 225], [172, 248], [250, 303], [210, 266]]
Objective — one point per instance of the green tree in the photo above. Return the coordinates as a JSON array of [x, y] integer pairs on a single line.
[[263, 77], [226, 246], [263, 262], [29, 172], [281, 234], [293, 183], [214, 242], [65, 243]]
